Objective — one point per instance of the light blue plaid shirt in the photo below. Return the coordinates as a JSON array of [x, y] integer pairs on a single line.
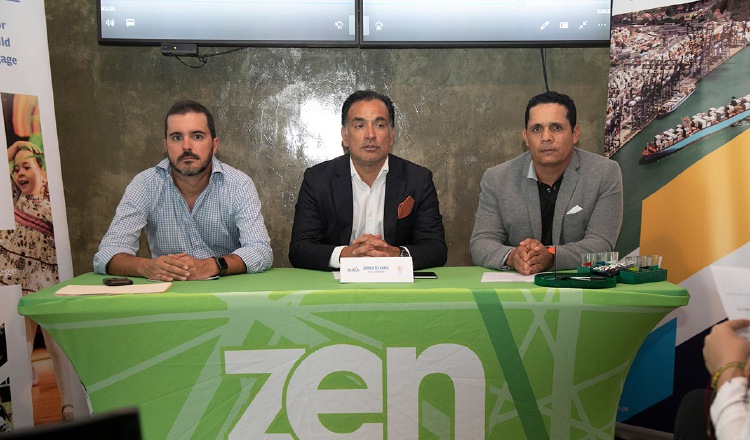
[[226, 219]]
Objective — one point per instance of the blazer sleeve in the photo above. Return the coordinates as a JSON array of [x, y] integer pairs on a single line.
[[306, 250], [428, 248], [487, 244]]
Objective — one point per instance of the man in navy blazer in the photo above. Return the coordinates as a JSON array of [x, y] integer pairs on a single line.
[[553, 195], [368, 203]]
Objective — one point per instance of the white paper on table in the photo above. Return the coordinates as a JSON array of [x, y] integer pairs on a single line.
[[734, 292], [505, 276], [74, 290]]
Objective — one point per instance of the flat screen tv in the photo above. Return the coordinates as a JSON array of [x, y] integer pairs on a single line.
[[481, 23], [356, 23], [228, 22]]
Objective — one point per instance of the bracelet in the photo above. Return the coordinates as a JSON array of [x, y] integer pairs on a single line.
[[720, 371]]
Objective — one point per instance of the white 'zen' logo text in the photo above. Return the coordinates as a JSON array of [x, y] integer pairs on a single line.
[[404, 373]]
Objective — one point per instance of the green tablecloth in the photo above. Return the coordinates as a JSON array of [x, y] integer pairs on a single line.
[[294, 352]]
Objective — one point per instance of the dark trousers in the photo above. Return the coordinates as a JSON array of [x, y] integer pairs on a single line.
[[692, 416]]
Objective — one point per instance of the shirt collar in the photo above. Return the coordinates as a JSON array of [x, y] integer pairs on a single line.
[[355, 174], [531, 174], [216, 165]]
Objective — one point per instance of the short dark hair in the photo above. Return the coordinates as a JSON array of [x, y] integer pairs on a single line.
[[367, 95], [553, 98], [189, 106]]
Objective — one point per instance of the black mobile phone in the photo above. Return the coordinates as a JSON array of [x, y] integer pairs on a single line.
[[425, 275], [117, 281]]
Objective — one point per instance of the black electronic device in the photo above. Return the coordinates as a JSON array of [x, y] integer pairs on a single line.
[[425, 275], [119, 281], [221, 263], [179, 49]]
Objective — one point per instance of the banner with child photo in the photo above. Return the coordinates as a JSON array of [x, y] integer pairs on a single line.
[[34, 245]]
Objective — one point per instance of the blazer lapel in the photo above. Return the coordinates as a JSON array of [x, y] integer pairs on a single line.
[[564, 195], [341, 188], [394, 195], [531, 195]]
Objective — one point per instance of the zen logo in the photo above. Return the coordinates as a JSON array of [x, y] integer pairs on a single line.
[[294, 380]]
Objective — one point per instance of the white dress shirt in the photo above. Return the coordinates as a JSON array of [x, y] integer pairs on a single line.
[[730, 410], [369, 204]]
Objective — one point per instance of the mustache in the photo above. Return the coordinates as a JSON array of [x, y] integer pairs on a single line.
[[187, 155]]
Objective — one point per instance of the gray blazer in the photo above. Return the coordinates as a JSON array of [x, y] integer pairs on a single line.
[[588, 211]]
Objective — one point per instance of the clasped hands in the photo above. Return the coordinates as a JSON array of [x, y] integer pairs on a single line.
[[370, 245], [178, 267], [530, 257]]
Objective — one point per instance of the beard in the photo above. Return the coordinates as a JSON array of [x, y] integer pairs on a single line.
[[191, 170]]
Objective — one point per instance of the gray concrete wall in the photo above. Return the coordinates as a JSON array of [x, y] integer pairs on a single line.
[[277, 110]]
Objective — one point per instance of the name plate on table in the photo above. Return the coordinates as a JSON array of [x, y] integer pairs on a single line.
[[377, 270]]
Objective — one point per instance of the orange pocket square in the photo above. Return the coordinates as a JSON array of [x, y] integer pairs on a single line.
[[404, 209]]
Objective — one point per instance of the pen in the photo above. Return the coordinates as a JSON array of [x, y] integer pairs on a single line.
[[589, 278]]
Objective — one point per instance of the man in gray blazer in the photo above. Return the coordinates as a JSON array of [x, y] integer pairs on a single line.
[[554, 201]]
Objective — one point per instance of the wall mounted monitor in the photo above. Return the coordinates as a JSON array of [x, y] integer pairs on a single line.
[[228, 22], [483, 23]]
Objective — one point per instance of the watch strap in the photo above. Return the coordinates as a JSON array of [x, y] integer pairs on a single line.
[[222, 263]]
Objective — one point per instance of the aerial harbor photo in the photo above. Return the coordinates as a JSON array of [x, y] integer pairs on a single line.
[[679, 90]]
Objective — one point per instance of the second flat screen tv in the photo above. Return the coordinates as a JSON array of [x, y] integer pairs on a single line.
[[486, 23]]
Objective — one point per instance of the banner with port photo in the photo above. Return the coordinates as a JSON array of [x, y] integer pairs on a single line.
[[34, 244], [677, 123]]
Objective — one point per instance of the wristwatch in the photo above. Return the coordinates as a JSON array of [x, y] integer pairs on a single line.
[[222, 263], [404, 252]]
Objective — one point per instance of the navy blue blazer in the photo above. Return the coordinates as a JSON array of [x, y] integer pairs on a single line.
[[323, 214]]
